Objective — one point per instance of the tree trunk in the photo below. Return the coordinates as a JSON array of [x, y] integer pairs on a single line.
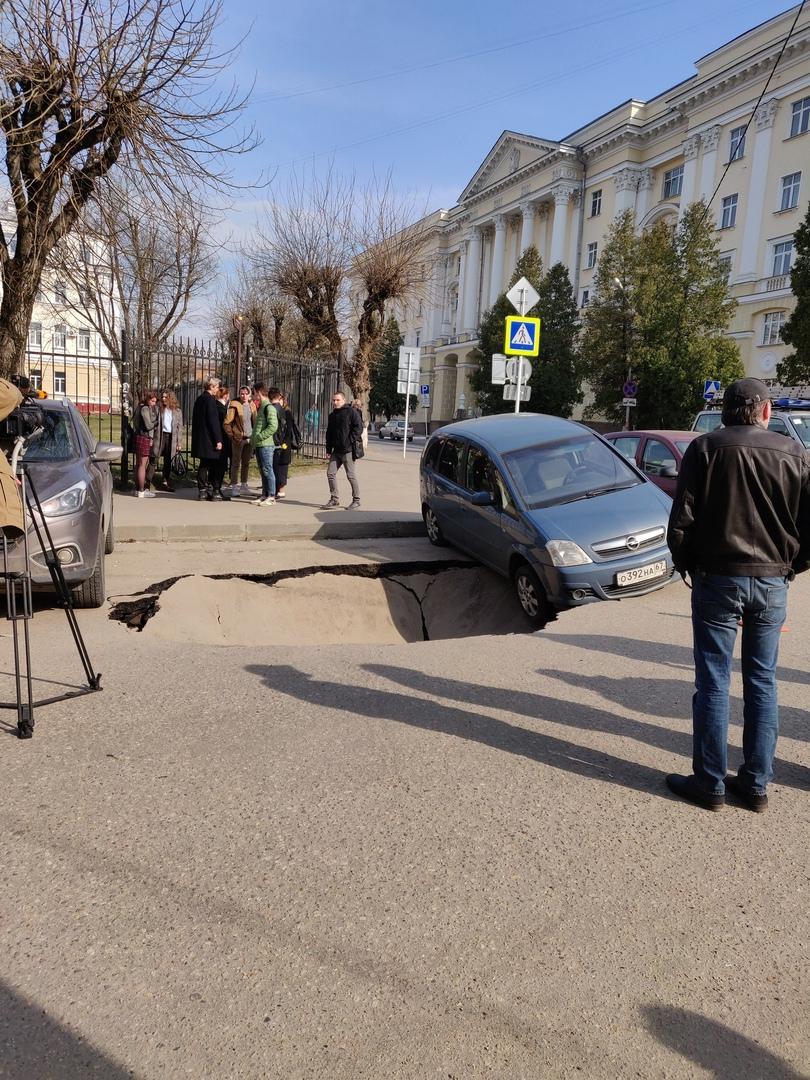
[[16, 308]]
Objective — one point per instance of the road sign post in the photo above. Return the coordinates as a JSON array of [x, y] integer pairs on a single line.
[[409, 363], [522, 334]]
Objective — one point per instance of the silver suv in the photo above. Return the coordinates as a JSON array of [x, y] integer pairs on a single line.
[[71, 473], [789, 416]]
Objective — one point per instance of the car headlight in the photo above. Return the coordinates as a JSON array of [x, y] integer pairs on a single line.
[[66, 502], [566, 553]]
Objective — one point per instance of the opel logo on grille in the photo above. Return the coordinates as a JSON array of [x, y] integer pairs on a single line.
[[632, 542]]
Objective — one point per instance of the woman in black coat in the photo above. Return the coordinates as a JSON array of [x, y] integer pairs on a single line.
[[283, 456]]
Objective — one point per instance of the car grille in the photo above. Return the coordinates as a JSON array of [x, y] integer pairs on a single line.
[[630, 543], [635, 590]]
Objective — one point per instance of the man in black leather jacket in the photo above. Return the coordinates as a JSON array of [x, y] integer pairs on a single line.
[[740, 528], [344, 435]]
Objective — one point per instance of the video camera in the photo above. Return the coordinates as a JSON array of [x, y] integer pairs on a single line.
[[25, 420]]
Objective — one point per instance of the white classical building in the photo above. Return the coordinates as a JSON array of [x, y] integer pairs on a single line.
[[653, 158]]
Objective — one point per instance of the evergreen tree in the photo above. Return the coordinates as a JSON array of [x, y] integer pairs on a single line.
[[556, 381], [660, 308], [794, 370], [383, 397]]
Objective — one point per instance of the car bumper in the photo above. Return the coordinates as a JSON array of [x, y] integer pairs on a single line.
[[573, 586], [77, 557]]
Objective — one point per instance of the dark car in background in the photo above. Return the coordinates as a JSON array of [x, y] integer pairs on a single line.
[[70, 470], [549, 504], [657, 453]]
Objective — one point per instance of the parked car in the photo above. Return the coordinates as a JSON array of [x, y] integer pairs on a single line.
[[657, 453], [789, 416], [548, 503], [70, 470], [395, 430]]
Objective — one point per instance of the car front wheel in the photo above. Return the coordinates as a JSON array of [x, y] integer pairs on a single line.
[[531, 596], [91, 593], [434, 529]]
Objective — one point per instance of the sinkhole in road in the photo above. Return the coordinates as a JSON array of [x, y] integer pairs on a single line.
[[356, 603]]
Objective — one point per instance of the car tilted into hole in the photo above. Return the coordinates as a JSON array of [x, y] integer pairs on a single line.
[[548, 503]]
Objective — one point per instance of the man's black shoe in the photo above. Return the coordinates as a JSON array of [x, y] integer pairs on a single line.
[[688, 788], [755, 802]]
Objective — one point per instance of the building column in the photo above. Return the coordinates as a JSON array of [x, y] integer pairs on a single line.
[[527, 226], [472, 278], [462, 285], [437, 298], [626, 184], [691, 149], [562, 194], [498, 253], [646, 181], [708, 162], [573, 255], [750, 248], [542, 231], [464, 371]]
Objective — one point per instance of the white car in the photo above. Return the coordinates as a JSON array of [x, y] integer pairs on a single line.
[[395, 430]]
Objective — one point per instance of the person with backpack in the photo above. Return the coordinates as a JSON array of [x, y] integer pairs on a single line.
[[290, 440], [262, 439], [344, 445]]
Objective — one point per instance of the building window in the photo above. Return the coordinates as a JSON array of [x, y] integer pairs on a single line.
[[59, 336], [800, 117], [83, 340], [586, 296], [772, 328], [728, 213], [418, 338], [782, 255], [35, 377], [790, 190], [35, 335], [726, 262], [590, 262], [737, 148], [596, 203], [60, 292], [59, 383], [458, 266], [673, 182]]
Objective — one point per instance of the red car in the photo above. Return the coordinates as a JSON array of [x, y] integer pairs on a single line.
[[657, 453]]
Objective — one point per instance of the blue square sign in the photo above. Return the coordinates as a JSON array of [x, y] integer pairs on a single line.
[[522, 336]]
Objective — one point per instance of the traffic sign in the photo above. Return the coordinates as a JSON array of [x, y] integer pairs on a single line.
[[711, 389], [523, 296], [498, 369], [424, 401], [510, 392], [424, 390], [522, 336], [518, 370], [630, 388], [629, 402]]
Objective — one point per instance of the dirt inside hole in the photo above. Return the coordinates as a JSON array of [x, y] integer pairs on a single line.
[[380, 604]]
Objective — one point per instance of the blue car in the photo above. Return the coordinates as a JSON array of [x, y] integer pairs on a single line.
[[549, 504]]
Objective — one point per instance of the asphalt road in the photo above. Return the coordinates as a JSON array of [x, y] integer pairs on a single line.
[[446, 859]]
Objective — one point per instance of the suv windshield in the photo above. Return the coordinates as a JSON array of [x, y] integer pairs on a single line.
[[57, 442], [565, 471], [801, 422]]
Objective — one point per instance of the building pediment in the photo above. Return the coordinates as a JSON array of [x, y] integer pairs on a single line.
[[510, 153]]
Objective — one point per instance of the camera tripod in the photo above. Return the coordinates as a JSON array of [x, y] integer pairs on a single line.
[[19, 603]]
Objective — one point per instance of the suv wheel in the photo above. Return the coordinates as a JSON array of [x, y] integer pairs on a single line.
[[91, 593], [531, 596]]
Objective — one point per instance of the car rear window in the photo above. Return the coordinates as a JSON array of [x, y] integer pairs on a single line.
[[57, 442], [708, 422], [564, 471]]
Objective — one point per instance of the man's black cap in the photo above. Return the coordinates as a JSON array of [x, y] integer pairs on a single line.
[[745, 392]]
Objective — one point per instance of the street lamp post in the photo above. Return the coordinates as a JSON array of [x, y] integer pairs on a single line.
[[237, 322]]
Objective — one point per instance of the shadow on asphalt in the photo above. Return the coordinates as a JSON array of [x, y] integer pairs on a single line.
[[35, 1047], [723, 1053], [408, 708]]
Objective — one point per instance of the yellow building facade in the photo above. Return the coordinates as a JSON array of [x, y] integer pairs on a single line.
[[653, 158]]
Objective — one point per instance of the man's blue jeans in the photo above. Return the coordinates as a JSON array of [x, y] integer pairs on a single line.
[[718, 602], [264, 457]]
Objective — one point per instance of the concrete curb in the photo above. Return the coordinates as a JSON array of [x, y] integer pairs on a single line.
[[411, 525]]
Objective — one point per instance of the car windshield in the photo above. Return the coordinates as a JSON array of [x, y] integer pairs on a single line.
[[57, 442], [562, 472], [802, 425]]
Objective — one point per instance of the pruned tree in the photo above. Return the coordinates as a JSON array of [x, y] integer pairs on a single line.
[[89, 86]]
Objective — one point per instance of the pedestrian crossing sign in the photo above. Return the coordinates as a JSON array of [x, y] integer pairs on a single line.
[[522, 336]]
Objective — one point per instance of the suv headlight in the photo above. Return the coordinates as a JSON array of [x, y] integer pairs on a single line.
[[66, 502], [566, 553]]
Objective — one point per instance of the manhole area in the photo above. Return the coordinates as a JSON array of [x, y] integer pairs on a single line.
[[379, 604]]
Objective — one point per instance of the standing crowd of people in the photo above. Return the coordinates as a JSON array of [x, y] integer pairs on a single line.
[[228, 433]]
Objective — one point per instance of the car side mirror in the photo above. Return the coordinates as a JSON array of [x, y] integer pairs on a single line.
[[669, 472], [482, 498], [107, 451]]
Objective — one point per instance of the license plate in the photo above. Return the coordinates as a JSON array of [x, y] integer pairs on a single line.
[[642, 573]]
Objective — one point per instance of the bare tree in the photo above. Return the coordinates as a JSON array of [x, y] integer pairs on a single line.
[[265, 311], [87, 85]]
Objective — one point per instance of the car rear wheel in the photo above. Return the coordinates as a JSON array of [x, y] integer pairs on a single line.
[[91, 593], [434, 529], [109, 537], [531, 596]]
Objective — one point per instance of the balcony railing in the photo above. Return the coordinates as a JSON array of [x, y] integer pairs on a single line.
[[772, 284]]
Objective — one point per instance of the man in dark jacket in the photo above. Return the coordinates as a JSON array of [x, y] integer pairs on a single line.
[[344, 433], [206, 438], [740, 527]]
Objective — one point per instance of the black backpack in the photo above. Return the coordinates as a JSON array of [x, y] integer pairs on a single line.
[[280, 435]]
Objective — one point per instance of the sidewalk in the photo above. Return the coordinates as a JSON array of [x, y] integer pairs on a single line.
[[389, 491]]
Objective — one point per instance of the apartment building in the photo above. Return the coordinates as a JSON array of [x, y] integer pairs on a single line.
[[653, 158]]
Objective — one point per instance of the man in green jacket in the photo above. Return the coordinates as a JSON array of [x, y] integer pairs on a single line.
[[265, 426]]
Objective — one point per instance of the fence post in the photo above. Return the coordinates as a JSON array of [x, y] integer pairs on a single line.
[[125, 409]]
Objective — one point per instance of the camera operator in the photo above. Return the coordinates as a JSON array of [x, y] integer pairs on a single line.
[[12, 521]]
